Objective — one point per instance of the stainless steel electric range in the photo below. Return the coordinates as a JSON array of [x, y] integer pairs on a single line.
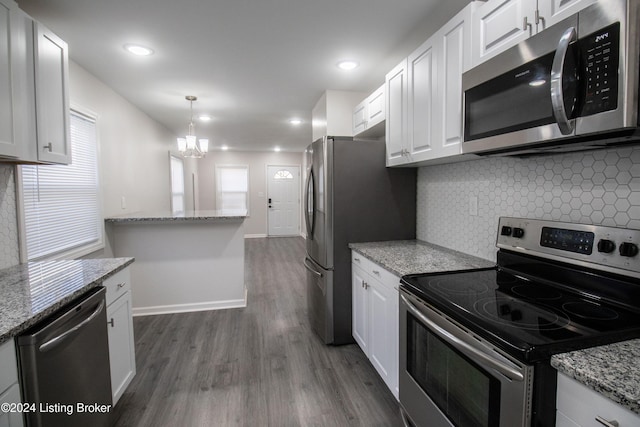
[[475, 345]]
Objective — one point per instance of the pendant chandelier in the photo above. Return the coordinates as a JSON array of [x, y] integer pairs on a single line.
[[188, 146]]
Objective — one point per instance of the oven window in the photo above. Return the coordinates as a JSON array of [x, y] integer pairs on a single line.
[[463, 391]]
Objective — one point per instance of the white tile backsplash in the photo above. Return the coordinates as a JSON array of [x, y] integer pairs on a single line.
[[591, 187], [9, 252]]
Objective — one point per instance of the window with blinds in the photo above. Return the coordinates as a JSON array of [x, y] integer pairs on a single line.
[[61, 203], [232, 187]]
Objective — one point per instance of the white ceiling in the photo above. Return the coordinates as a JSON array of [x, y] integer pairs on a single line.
[[253, 64]]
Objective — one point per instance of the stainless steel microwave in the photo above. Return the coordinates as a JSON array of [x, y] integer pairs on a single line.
[[574, 84]]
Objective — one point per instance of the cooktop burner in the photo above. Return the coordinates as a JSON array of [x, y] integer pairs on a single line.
[[529, 318]]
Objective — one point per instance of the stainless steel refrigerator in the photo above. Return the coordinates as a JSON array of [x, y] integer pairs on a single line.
[[350, 197]]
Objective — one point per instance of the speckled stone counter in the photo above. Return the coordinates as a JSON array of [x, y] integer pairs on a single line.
[[611, 370], [32, 291], [403, 257], [211, 215]]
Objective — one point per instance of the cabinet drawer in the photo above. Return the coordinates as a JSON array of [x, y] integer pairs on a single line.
[[374, 270], [8, 366], [117, 285], [582, 405]]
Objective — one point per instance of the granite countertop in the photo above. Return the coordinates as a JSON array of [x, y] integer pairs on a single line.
[[611, 370], [403, 257], [204, 215], [32, 291]]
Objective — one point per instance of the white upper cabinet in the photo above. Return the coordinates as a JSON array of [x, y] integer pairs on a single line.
[[396, 103], [9, 69], [52, 96], [424, 97], [501, 24], [369, 117], [34, 100]]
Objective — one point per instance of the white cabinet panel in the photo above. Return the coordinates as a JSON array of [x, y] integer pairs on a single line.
[[421, 96], [375, 314], [359, 118], [579, 405], [554, 11], [9, 388], [500, 24], [11, 419], [396, 103], [121, 345], [52, 96], [8, 75], [376, 107]]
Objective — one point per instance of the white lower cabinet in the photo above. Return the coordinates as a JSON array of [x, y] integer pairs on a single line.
[[579, 406], [122, 357], [9, 388], [375, 317]]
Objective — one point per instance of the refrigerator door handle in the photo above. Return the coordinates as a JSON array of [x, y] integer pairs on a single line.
[[310, 268], [310, 205], [54, 342]]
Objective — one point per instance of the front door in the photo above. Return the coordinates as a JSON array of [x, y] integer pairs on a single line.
[[283, 200]]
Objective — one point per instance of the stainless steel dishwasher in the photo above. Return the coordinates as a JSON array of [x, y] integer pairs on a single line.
[[64, 366]]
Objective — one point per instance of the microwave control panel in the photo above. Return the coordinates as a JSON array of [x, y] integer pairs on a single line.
[[600, 54]]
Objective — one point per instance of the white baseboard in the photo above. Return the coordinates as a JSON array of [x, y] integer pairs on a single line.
[[188, 308], [254, 236]]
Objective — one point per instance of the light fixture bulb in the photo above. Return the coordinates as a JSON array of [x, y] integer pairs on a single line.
[[204, 145], [191, 142], [204, 118], [348, 65], [138, 50], [182, 145], [295, 121]]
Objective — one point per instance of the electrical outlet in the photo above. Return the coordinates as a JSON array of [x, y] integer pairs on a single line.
[[473, 205]]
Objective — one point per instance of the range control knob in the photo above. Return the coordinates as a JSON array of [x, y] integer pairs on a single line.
[[628, 249], [518, 233], [606, 246], [506, 230]]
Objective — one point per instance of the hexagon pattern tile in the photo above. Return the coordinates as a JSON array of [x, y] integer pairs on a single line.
[[9, 253], [591, 187]]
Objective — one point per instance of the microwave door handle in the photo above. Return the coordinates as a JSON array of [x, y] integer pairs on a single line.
[[557, 71], [506, 370]]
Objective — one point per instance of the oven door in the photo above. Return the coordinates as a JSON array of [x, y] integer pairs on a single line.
[[449, 377]]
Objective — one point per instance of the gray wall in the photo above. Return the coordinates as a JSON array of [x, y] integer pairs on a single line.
[[595, 187]]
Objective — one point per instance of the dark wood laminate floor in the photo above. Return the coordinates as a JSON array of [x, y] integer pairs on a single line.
[[257, 366]]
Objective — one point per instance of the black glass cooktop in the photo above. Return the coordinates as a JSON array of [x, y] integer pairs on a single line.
[[527, 318]]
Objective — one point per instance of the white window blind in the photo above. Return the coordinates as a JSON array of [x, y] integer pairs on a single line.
[[232, 187], [177, 184], [61, 202]]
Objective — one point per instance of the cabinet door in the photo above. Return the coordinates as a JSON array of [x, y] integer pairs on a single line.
[[360, 117], [422, 93], [554, 11], [52, 97], [375, 107], [383, 346], [121, 345], [11, 419], [359, 309], [8, 147], [396, 103], [454, 46], [500, 24]]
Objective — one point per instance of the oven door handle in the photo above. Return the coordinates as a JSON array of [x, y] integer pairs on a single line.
[[500, 366]]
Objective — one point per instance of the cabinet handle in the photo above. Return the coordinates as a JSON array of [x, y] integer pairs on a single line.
[[121, 285], [376, 272], [612, 423], [539, 18], [526, 25], [357, 259], [111, 322], [49, 147]]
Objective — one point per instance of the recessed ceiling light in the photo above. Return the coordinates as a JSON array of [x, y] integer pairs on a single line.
[[204, 118], [224, 148], [348, 65], [276, 149], [295, 121], [138, 50]]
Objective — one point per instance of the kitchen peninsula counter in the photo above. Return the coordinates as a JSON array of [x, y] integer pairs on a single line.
[[34, 290], [188, 261], [402, 257]]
